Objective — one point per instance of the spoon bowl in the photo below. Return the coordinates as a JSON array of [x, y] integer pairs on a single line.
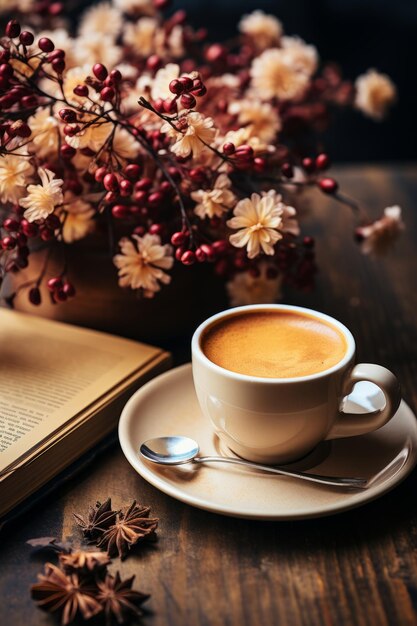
[[177, 450]]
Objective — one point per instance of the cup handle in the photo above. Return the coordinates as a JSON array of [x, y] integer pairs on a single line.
[[351, 424]]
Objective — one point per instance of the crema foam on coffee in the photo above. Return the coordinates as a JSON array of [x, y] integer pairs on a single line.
[[274, 344]]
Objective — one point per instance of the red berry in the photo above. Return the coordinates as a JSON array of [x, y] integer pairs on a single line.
[[81, 90], [259, 164], [139, 230], [153, 63], [328, 185], [161, 5], [229, 148], [60, 295], [58, 65], [22, 129], [141, 197], [215, 53], [100, 173], [12, 29], [208, 251], [155, 199], [323, 161], [188, 258], [188, 101], [176, 87], [68, 115], [110, 182], [120, 211], [56, 54], [45, 44], [55, 8], [4, 56], [220, 247], [6, 70], [244, 152], [308, 165], [29, 102], [35, 296], [287, 170], [100, 71], [178, 238], [107, 94], [8, 243], [186, 82], [200, 255], [308, 242], [132, 171], [75, 186], [179, 252], [28, 228], [67, 151], [11, 224], [69, 289], [26, 38], [116, 76], [21, 239], [157, 229], [198, 174], [54, 283], [143, 184], [125, 188]]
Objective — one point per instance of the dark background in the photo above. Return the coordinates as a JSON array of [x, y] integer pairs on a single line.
[[358, 34]]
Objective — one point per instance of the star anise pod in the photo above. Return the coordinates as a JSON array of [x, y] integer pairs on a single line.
[[130, 527], [66, 594], [84, 561], [120, 602], [99, 519]]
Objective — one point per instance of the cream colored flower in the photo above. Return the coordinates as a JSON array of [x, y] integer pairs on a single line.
[[77, 219], [300, 55], [260, 117], [258, 220], [273, 76], [140, 89], [145, 7], [97, 46], [379, 236], [27, 68], [101, 18], [197, 129], [243, 136], [14, 173], [42, 199], [72, 78], [91, 136], [141, 35], [124, 145], [288, 214], [214, 201], [247, 289], [264, 30], [375, 93], [141, 263], [45, 132], [160, 86]]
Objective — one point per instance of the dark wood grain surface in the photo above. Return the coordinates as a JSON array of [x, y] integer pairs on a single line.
[[358, 568]]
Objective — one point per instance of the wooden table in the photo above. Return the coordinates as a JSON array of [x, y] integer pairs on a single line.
[[358, 568]]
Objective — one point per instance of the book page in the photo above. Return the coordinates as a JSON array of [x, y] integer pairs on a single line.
[[51, 372]]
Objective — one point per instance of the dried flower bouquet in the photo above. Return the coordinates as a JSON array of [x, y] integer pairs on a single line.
[[184, 151]]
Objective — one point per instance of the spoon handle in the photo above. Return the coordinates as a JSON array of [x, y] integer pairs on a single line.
[[358, 483]]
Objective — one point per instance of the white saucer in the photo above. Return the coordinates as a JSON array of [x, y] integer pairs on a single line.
[[168, 406]]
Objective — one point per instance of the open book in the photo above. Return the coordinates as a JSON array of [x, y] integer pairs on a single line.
[[62, 389]]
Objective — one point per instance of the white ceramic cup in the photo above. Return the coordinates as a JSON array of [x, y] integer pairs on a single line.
[[278, 420]]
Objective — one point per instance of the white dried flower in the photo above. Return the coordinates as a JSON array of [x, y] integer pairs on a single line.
[[45, 132], [379, 236], [300, 55], [375, 94], [141, 263], [160, 85], [260, 117], [216, 201], [42, 199], [264, 30], [258, 220], [77, 219], [101, 18], [15, 170], [198, 131], [273, 76], [141, 35]]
